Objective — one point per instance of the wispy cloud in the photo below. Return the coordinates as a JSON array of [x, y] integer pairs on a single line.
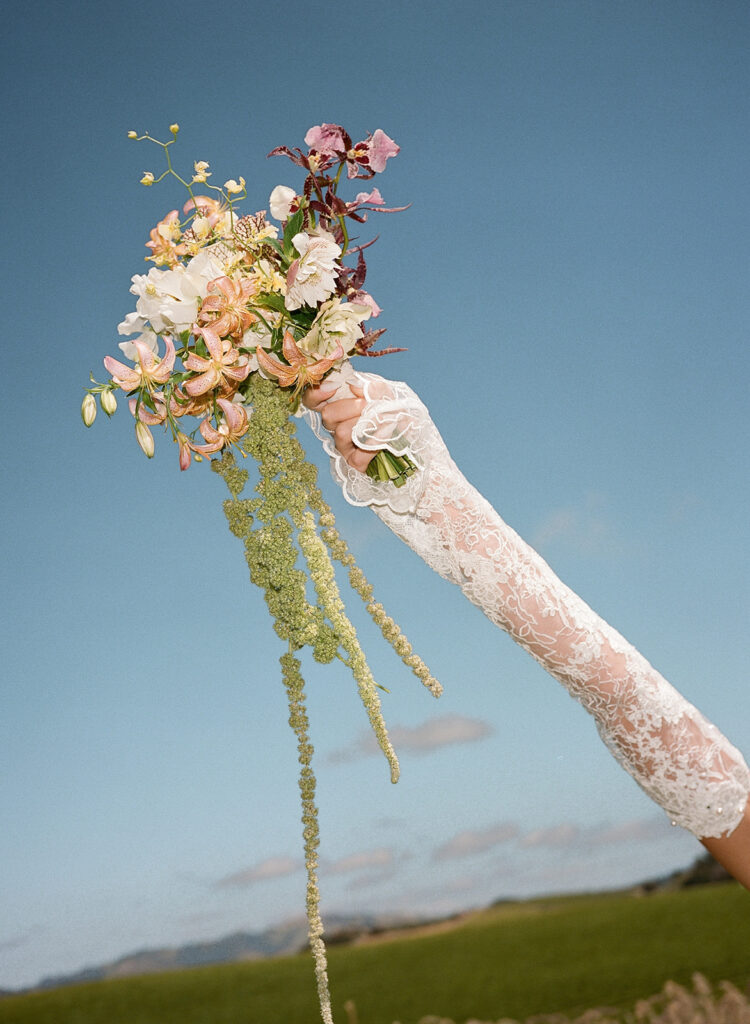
[[555, 835], [472, 841], [585, 526], [563, 835], [571, 835], [641, 830], [17, 941], [443, 731], [264, 871], [364, 860], [369, 867]]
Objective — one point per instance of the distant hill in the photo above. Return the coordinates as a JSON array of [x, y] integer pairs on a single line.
[[279, 940], [291, 936], [553, 955]]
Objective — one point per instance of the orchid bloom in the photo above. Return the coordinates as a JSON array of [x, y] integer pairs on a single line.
[[365, 202], [164, 251], [232, 317], [147, 371], [370, 155], [363, 298], [362, 160], [222, 368], [327, 139], [300, 370], [379, 149], [230, 430]]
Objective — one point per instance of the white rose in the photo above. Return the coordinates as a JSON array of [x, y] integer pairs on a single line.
[[312, 278], [280, 201], [336, 324]]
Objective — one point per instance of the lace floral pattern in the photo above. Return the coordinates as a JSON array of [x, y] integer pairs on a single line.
[[680, 759]]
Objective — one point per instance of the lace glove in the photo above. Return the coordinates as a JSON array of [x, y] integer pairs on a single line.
[[680, 759]]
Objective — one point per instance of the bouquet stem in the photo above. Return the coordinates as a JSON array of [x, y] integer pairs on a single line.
[[389, 467], [386, 466]]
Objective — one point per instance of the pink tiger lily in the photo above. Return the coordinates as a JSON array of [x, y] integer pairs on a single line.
[[233, 427], [299, 369], [221, 369], [146, 415], [232, 317], [147, 372]]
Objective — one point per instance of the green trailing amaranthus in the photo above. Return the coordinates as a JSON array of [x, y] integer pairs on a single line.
[[289, 517]]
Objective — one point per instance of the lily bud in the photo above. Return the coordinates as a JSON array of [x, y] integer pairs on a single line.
[[108, 402], [185, 454], [88, 410], [145, 438]]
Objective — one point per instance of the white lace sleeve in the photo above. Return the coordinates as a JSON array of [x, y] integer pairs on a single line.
[[680, 759]]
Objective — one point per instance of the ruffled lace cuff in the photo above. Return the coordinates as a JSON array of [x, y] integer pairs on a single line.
[[393, 419]]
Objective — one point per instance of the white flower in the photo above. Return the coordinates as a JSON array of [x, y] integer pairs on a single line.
[[312, 277], [258, 335], [201, 227], [337, 323], [235, 187], [148, 338], [280, 201], [202, 172], [168, 300], [268, 277]]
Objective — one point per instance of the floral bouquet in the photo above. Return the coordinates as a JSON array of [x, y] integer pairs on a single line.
[[250, 314]]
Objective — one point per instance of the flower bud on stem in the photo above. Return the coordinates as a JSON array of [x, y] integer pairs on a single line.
[[108, 402], [88, 410], [145, 438]]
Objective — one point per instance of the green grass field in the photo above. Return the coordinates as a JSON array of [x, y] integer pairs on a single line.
[[565, 954]]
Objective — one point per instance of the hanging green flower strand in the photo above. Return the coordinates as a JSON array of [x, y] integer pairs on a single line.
[[276, 527]]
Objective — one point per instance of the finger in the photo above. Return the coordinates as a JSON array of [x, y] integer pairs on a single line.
[[342, 411], [359, 459], [314, 398], [342, 437]]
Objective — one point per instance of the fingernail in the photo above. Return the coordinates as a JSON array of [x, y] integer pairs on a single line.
[[326, 390]]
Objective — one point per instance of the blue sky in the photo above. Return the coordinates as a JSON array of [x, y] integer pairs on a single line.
[[571, 283]]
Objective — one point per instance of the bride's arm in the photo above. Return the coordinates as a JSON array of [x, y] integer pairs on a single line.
[[680, 759]]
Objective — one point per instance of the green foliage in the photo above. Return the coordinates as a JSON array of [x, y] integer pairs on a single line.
[[558, 955], [293, 227]]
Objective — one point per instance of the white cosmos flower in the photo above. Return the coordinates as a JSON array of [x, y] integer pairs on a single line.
[[337, 323], [280, 201], [312, 278], [168, 300]]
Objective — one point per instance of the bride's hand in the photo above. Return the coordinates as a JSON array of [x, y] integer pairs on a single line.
[[339, 418]]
